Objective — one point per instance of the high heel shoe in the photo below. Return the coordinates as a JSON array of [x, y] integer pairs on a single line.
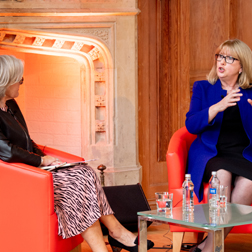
[[195, 248], [118, 246]]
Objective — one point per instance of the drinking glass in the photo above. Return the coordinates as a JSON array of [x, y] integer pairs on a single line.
[[164, 202], [223, 196]]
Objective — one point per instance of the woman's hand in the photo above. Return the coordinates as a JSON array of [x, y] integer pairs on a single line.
[[49, 160], [229, 100], [250, 101]]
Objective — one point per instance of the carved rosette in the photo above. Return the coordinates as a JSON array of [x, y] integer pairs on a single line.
[[99, 76], [2, 35], [38, 41], [100, 125], [19, 39], [77, 46], [99, 100], [94, 53], [58, 43]]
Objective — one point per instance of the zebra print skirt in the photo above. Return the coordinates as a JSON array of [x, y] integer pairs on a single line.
[[79, 200]]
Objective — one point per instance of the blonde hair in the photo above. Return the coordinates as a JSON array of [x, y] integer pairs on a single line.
[[241, 51], [11, 72]]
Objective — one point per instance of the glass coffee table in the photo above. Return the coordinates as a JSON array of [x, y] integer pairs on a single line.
[[202, 219]]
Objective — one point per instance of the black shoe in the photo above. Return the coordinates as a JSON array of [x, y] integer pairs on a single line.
[[195, 248], [117, 246]]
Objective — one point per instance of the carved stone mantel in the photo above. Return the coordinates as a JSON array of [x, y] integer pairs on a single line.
[[110, 31]]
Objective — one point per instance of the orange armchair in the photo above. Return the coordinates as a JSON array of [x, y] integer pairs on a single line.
[[28, 222], [176, 159]]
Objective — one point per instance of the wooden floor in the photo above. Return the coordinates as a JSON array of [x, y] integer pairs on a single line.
[[160, 235]]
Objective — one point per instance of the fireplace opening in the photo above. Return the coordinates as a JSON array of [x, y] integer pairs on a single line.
[[50, 100], [67, 96]]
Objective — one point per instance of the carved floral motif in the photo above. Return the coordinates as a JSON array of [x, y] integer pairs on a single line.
[[58, 43], [77, 46], [99, 125], [19, 39], [38, 41], [99, 100], [2, 35], [102, 33], [94, 53], [99, 76]]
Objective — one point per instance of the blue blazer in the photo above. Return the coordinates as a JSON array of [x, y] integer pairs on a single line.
[[204, 146]]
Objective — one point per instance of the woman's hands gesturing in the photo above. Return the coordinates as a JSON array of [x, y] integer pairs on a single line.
[[231, 99]]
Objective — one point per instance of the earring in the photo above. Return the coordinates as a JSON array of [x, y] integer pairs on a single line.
[[240, 72]]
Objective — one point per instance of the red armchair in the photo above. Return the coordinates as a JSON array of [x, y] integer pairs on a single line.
[[28, 222], [176, 159]]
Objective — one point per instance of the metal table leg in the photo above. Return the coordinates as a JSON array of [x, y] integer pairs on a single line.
[[218, 240], [142, 234]]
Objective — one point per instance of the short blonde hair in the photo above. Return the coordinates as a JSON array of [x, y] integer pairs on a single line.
[[241, 51], [11, 71]]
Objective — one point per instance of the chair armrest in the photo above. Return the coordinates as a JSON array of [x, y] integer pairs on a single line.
[[27, 202], [62, 155], [176, 157], [176, 171]]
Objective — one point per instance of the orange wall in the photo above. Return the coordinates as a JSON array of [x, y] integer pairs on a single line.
[[50, 100]]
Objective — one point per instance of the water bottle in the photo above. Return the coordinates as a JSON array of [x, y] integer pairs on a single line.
[[188, 205], [188, 216], [214, 191]]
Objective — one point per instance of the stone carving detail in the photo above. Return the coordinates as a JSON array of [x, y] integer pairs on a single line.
[[100, 101], [38, 41], [77, 46], [99, 76], [102, 33], [94, 53], [99, 125], [2, 35], [58, 43], [19, 39]]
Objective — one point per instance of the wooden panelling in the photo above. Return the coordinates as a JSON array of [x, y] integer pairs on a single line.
[[154, 172], [164, 90], [165, 60], [209, 27], [243, 10]]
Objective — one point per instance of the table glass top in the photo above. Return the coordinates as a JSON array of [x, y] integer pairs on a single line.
[[233, 215]]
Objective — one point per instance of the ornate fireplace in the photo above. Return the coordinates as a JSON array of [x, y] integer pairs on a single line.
[[80, 90]]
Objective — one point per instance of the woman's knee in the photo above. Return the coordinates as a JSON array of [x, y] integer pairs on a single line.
[[225, 177], [242, 193]]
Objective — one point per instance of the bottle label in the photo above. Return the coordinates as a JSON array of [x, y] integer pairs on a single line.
[[212, 190], [191, 194]]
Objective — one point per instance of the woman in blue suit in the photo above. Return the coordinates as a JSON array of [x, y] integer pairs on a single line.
[[221, 115]]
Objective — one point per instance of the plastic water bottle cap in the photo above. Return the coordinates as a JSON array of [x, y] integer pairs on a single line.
[[214, 172], [188, 175]]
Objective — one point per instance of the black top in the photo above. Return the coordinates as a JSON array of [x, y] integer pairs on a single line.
[[232, 138], [15, 142], [231, 143]]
